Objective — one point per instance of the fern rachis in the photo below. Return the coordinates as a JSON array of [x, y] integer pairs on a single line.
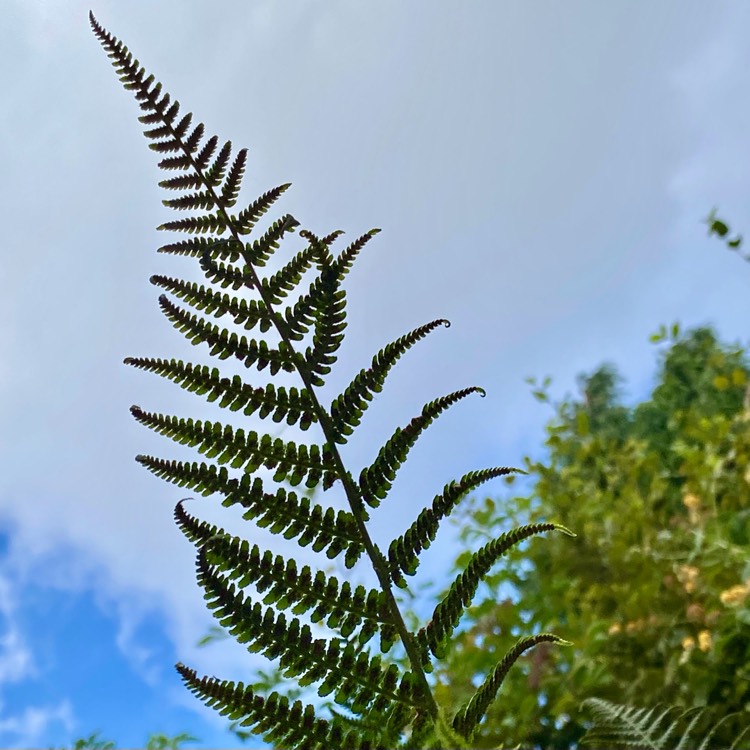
[[389, 705]]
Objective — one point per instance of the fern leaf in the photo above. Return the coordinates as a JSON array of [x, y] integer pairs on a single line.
[[226, 275], [284, 512], [330, 323], [278, 286], [347, 409], [376, 480], [403, 551], [291, 462], [470, 714], [291, 405], [272, 717], [225, 344], [192, 247], [261, 249], [197, 224], [245, 313], [231, 188], [356, 678], [247, 218], [338, 605], [343, 262], [448, 612], [629, 726]]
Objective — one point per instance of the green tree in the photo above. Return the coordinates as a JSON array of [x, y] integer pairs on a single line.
[[654, 591]]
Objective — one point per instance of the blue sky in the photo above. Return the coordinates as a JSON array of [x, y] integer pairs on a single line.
[[539, 170]]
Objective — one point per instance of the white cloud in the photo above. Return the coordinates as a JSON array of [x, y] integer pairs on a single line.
[[28, 728]]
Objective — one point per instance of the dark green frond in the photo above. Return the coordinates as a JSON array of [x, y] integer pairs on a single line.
[[191, 247], [347, 409], [330, 324], [203, 200], [338, 605], [292, 463], [246, 219], [261, 249], [357, 679], [377, 479], [447, 614], [342, 263], [470, 714], [226, 275], [197, 224], [284, 512], [403, 551], [272, 717], [225, 344], [280, 284], [245, 313], [289, 404], [231, 188]]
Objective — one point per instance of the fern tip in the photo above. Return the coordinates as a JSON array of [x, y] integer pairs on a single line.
[[564, 529]]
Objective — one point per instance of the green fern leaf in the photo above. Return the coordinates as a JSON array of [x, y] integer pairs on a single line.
[[273, 717], [340, 606], [448, 612], [247, 218], [291, 405], [292, 462], [403, 551], [192, 247], [355, 678], [376, 480], [347, 409], [245, 313], [283, 512], [470, 714], [225, 344]]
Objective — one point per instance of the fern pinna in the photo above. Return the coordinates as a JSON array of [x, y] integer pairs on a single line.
[[385, 706]]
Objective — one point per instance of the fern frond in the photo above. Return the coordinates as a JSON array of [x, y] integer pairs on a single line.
[[272, 717], [261, 249], [225, 344], [170, 136], [226, 275], [193, 247], [282, 404], [342, 263], [403, 551], [384, 701], [448, 612], [330, 323], [284, 512], [198, 224], [346, 410], [277, 287], [246, 313], [470, 714], [247, 218], [291, 462], [357, 679], [338, 605], [377, 479]]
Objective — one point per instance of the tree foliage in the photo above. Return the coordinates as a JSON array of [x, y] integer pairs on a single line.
[[654, 591]]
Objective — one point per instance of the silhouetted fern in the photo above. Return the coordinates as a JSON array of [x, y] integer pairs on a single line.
[[387, 706]]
